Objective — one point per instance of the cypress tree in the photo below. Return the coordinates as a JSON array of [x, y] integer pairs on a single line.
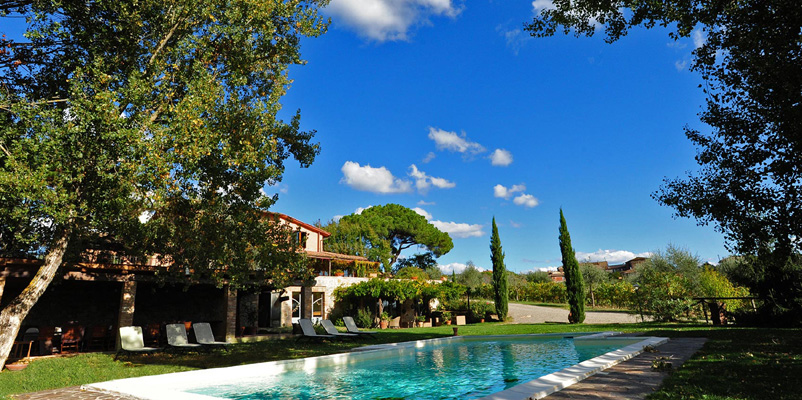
[[574, 284], [499, 274]]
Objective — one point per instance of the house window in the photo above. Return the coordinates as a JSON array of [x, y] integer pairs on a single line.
[[300, 238], [317, 305], [296, 306]]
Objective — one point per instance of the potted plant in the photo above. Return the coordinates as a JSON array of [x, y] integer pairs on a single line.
[[385, 320], [18, 365], [421, 319], [447, 317], [339, 272]]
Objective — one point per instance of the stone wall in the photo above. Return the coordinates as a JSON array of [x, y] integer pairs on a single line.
[[329, 283]]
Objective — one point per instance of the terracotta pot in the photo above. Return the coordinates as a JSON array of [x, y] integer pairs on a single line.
[[481, 320], [384, 324], [448, 322], [339, 274], [16, 367]]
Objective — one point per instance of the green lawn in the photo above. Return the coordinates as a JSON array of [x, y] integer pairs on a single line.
[[736, 363]]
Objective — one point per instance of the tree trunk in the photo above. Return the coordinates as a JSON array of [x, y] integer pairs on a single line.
[[379, 311], [15, 312]]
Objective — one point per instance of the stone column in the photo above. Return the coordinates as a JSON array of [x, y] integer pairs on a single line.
[[230, 299], [306, 302], [127, 302]]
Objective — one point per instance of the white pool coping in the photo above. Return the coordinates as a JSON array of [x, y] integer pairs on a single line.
[[172, 386]]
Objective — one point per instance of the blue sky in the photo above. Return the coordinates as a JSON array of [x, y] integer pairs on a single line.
[[448, 107]]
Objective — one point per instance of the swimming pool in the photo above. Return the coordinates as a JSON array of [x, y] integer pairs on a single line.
[[499, 367]]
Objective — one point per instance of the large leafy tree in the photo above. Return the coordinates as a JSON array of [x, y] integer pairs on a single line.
[[574, 284], [750, 182], [383, 232], [153, 125], [500, 289]]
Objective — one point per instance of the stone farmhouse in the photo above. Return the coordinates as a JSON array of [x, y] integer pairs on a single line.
[[101, 294]]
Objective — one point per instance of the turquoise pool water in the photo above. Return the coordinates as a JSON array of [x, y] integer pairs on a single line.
[[468, 368]]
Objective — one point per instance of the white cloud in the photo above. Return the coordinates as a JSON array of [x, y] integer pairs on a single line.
[[358, 210], [384, 20], [450, 141], [526, 200], [523, 199], [540, 5], [456, 268], [699, 38], [442, 183], [426, 203], [677, 45], [422, 212], [505, 193], [423, 181], [611, 256], [680, 65], [429, 157], [376, 180], [454, 229], [515, 224], [515, 38], [459, 230], [501, 158]]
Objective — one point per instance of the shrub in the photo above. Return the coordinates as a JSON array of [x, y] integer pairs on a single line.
[[714, 284], [363, 318], [480, 309], [546, 292], [665, 295], [619, 294], [336, 316]]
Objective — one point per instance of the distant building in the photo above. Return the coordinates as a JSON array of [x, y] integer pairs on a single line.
[[625, 268], [558, 275]]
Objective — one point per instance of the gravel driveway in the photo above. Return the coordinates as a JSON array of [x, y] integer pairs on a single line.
[[526, 314]]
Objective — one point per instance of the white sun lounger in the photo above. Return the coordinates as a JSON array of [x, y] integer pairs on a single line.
[[132, 341], [204, 335], [177, 337]]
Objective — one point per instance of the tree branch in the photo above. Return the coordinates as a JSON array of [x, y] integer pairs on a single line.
[[164, 41]]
